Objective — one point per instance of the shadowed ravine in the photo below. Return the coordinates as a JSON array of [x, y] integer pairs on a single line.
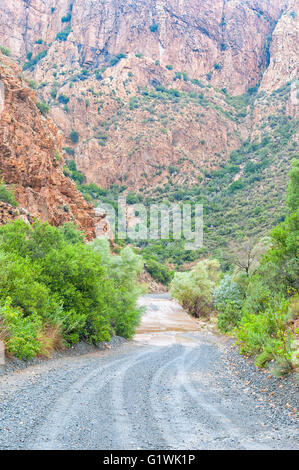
[[169, 389]]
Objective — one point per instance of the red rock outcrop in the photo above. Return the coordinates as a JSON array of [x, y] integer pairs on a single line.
[[220, 49], [190, 35], [31, 159]]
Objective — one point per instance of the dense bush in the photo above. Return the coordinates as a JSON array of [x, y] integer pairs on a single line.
[[228, 299], [52, 282], [267, 335], [264, 318], [7, 195], [227, 291], [43, 107], [229, 316], [72, 172], [194, 289], [64, 34], [20, 333], [5, 51], [74, 136], [158, 271], [63, 99], [122, 271]]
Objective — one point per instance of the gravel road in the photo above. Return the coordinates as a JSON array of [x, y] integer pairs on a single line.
[[174, 387]]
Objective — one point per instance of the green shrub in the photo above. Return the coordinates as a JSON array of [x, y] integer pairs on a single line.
[[73, 173], [154, 27], [5, 51], [63, 99], [194, 289], [236, 186], [228, 300], [31, 63], [159, 272], [57, 155], [74, 136], [43, 107], [19, 280], [227, 291], [18, 332], [55, 280], [122, 272], [266, 335], [293, 191], [229, 317]]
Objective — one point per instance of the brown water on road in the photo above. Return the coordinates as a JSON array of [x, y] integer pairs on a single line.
[[164, 322]]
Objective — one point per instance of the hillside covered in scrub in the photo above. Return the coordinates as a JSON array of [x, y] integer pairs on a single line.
[[257, 298], [189, 101]]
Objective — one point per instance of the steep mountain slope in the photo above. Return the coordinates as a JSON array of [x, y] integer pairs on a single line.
[[31, 161], [84, 56], [190, 35]]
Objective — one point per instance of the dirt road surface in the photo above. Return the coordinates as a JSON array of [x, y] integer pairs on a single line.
[[173, 387]]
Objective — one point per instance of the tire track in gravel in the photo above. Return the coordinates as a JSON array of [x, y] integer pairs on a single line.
[[168, 390], [67, 407], [225, 424]]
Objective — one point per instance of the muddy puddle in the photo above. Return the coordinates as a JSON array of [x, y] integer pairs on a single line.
[[164, 322]]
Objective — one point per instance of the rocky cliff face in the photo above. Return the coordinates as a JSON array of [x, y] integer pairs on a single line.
[[153, 87], [31, 160], [190, 35]]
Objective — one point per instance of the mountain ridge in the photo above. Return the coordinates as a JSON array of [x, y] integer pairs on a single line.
[[157, 97]]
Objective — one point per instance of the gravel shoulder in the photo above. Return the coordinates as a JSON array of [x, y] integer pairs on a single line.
[[169, 390]]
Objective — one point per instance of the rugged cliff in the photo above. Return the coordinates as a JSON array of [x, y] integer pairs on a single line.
[[190, 35], [156, 95], [152, 84], [31, 160]]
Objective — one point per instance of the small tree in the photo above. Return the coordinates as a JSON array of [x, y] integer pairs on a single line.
[[245, 256], [5, 51]]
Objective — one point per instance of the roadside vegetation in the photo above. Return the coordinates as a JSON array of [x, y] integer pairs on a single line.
[[56, 290], [257, 298]]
